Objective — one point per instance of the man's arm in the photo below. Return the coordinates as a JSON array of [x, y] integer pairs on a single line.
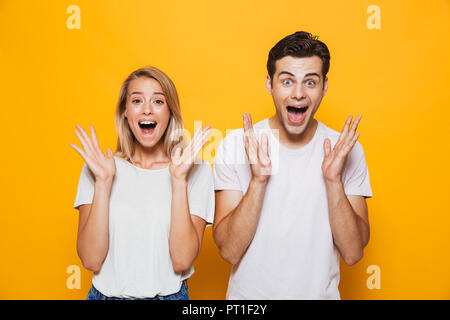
[[349, 222], [236, 219], [237, 215], [348, 216]]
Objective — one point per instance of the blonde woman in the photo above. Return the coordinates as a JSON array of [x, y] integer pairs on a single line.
[[144, 208]]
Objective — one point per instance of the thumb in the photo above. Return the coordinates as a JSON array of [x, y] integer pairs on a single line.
[[109, 152]]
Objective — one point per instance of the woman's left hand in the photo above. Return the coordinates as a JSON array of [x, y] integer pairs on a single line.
[[183, 160]]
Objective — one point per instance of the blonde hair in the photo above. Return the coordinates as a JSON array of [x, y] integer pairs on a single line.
[[174, 134]]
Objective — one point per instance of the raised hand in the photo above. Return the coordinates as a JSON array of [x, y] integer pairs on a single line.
[[334, 160], [183, 160], [101, 165], [257, 153]]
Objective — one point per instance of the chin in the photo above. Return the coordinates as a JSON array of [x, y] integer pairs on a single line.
[[296, 129]]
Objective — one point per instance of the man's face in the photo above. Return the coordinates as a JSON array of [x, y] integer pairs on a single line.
[[297, 88]]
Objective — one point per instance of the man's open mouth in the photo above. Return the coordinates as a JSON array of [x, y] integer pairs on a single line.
[[296, 114]]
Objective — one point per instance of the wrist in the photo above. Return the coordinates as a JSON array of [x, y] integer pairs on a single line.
[[103, 185], [333, 182], [178, 182], [259, 181]]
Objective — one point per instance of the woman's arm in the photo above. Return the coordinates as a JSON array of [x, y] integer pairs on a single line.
[[93, 226], [186, 230]]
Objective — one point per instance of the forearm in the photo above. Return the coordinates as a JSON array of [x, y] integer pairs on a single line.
[[184, 244], [346, 225], [93, 238], [235, 232]]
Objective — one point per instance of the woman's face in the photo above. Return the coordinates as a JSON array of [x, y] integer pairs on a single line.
[[147, 111]]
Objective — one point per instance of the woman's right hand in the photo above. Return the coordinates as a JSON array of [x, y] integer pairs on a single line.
[[101, 165]]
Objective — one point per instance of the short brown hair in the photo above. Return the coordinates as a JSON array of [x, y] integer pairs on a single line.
[[300, 44]]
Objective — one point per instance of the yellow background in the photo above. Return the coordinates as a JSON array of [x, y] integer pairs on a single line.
[[53, 78]]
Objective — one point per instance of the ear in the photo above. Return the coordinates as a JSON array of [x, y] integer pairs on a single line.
[[125, 114], [268, 84], [325, 86]]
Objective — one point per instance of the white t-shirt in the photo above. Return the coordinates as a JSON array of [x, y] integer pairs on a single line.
[[292, 255], [138, 263]]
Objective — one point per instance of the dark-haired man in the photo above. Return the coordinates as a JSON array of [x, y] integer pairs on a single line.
[[291, 192]]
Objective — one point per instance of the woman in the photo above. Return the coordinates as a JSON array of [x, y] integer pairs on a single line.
[[143, 209]]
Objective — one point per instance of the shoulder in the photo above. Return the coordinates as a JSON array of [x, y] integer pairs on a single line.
[[200, 170]]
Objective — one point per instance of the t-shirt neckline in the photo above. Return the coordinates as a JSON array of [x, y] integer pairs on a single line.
[[143, 169], [296, 151]]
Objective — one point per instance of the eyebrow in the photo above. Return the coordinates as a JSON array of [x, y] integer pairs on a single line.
[[139, 92], [306, 75]]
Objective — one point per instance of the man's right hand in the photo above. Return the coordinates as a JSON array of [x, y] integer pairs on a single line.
[[257, 153]]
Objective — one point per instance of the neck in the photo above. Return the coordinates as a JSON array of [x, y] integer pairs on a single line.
[[149, 158], [293, 141]]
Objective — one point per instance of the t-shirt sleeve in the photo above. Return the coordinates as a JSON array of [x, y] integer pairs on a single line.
[[201, 193], [225, 174], [356, 174], [85, 192]]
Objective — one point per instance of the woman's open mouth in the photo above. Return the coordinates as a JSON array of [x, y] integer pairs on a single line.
[[147, 126], [296, 114]]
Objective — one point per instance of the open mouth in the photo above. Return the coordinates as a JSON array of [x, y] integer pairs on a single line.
[[297, 114], [147, 126]]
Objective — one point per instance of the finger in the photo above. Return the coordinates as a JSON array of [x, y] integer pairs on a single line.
[[327, 147], [87, 141], [249, 149], [250, 128], [95, 143], [344, 131], [355, 138], [352, 130], [194, 139], [201, 141], [264, 149], [91, 164], [176, 158], [83, 142], [197, 132], [110, 153], [245, 122], [80, 152], [245, 139], [355, 123]]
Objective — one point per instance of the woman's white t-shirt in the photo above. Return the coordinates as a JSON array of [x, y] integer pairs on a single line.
[[138, 263]]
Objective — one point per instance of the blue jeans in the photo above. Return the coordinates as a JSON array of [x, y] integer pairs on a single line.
[[94, 294]]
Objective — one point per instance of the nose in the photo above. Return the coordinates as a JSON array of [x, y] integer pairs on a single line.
[[298, 91], [147, 107]]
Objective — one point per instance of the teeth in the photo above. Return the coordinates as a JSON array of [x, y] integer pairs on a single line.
[[147, 122]]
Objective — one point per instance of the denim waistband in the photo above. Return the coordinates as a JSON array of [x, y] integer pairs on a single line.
[[175, 296]]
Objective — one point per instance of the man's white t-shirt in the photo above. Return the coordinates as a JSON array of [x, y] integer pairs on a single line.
[[138, 263], [292, 255]]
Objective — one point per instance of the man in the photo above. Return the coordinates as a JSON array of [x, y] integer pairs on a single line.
[[290, 203]]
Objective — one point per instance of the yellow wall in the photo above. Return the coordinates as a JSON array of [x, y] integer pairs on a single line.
[[53, 78]]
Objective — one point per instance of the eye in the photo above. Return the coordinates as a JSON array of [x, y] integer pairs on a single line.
[[137, 101], [159, 101], [287, 82], [310, 83]]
